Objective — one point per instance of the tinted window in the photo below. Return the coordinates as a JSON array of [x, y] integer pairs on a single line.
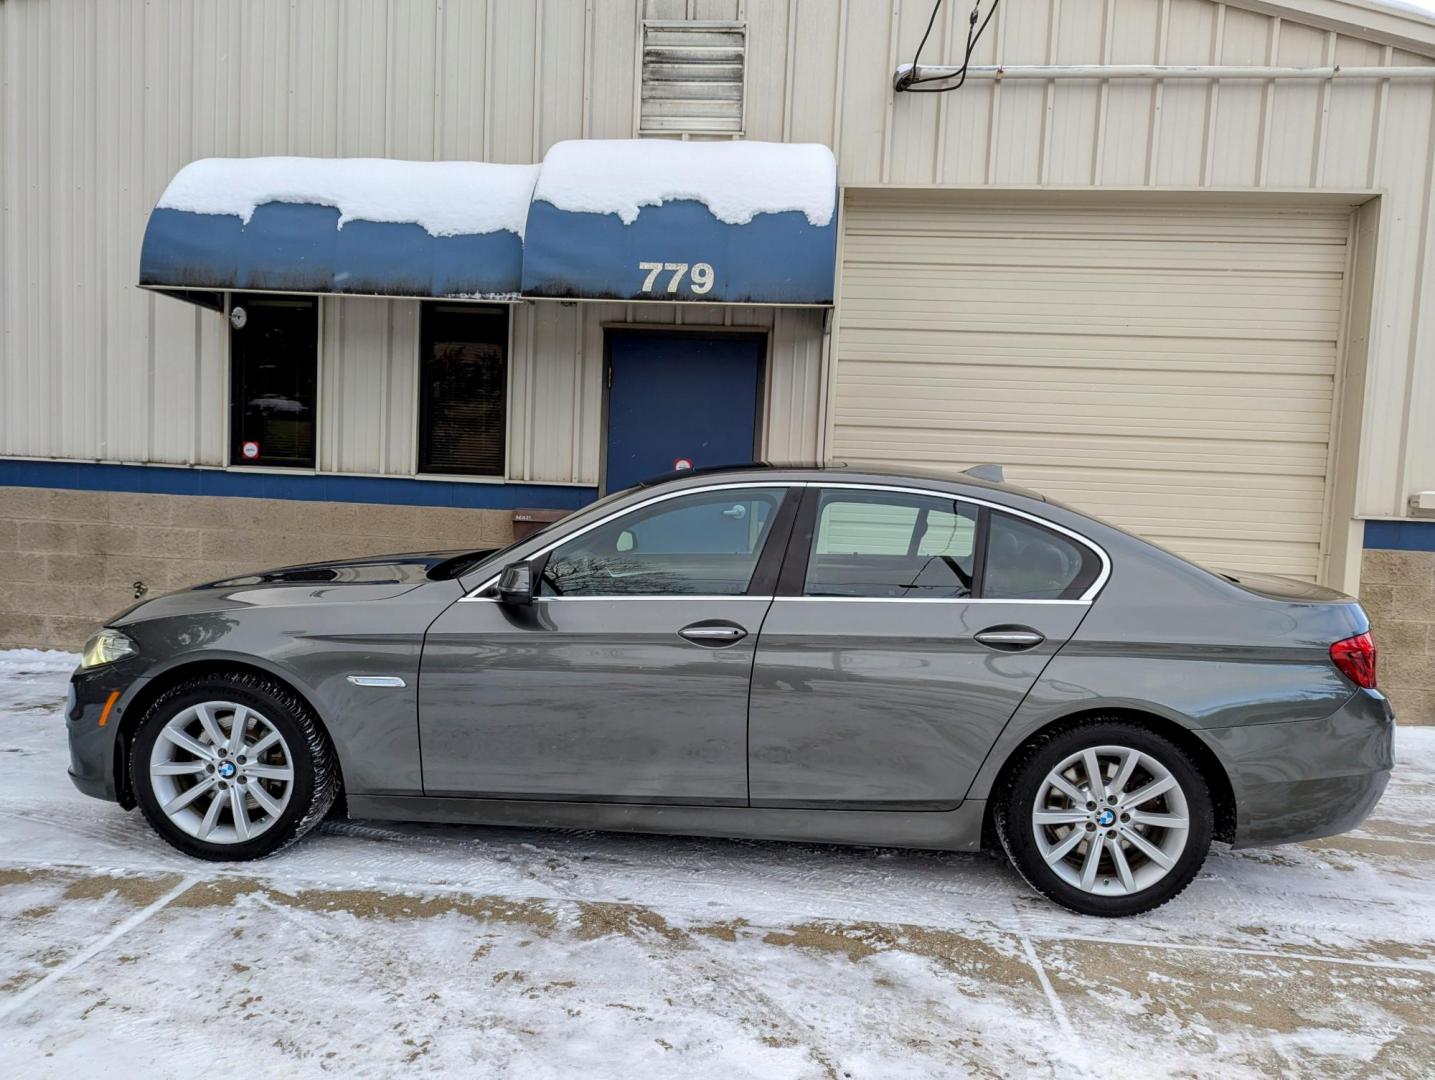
[[463, 380], [890, 545], [274, 371], [1026, 561], [705, 544]]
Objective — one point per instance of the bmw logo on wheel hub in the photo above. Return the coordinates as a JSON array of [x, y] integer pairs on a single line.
[[1106, 818], [227, 769]]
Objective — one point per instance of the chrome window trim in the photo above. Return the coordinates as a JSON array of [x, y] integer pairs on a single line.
[[639, 596], [744, 485], [922, 600], [1085, 598]]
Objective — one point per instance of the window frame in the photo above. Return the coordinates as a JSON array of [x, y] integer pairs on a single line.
[[423, 465], [233, 439], [801, 505]]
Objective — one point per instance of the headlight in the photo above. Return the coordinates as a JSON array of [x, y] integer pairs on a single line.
[[106, 647]]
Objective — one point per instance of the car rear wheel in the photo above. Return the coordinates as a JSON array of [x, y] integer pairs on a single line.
[[1106, 818], [232, 767]]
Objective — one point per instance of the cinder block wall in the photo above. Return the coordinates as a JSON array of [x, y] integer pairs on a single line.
[[1397, 589], [71, 559]]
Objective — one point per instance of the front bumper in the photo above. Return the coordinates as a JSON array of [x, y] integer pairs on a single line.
[[1309, 778], [93, 748]]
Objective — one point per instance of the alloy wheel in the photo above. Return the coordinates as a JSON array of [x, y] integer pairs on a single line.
[[1111, 820], [221, 772]]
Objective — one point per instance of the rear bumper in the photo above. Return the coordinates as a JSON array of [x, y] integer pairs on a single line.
[[1309, 778]]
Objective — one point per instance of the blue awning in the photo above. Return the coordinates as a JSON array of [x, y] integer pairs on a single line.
[[350, 226], [656, 219]]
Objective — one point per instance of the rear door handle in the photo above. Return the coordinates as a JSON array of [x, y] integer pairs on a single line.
[[713, 634], [1009, 638]]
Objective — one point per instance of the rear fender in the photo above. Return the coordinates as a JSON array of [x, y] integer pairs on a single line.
[[1195, 691]]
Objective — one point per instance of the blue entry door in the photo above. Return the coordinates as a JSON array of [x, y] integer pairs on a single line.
[[679, 397]]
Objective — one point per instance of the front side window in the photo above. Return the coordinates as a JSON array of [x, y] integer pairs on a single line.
[[890, 545], [273, 378], [704, 544], [1027, 561], [463, 380]]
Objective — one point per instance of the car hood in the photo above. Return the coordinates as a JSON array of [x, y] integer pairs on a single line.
[[378, 577]]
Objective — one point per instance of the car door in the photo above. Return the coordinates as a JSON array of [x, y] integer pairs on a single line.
[[627, 677], [907, 628]]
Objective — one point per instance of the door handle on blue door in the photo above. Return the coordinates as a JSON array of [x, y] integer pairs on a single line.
[[714, 634], [1009, 638]]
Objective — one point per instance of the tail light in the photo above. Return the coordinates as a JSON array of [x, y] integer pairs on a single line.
[[1355, 656]]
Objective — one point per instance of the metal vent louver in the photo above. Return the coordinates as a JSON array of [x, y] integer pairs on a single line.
[[693, 78]]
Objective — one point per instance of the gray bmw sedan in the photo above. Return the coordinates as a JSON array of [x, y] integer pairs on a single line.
[[825, 655]]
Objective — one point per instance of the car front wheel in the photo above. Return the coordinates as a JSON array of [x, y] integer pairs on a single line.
[[232, 767], [1106, 818]]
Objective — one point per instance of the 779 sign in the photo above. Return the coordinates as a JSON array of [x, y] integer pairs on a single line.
[[700, 279]]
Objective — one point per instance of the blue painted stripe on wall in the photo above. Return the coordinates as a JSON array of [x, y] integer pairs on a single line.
[[1400, 535], [774, 259], [162, 480], [299, 247]]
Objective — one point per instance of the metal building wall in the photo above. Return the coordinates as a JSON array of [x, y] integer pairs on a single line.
[[102, 100]]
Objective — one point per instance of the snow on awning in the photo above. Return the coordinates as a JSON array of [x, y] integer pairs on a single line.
[[331, 225], [655, 219]]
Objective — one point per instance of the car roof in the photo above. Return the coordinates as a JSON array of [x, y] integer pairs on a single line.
[[832, 470]]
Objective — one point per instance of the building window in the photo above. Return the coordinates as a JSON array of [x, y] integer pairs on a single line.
[[693, 78], [273, 379], [464, 390]]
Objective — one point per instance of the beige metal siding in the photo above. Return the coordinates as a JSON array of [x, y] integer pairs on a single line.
[[102, 100], [1171, 369]]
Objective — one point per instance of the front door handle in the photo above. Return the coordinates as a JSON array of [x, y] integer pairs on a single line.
[[1009, 638], [713, 634]]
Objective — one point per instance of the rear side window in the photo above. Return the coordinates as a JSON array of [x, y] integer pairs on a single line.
[[890, 545], [1026, 561]]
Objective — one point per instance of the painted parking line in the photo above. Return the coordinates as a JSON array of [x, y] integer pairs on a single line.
[[95, 947], [1079, 1056], [1238, 950]]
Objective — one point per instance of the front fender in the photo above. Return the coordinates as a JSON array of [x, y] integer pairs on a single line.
[[315, 648]]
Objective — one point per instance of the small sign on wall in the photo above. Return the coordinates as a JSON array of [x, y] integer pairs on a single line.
[[250, 450]]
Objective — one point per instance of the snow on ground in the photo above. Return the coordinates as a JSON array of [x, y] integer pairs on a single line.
[[370, 949], [447, 198], [735, 179]]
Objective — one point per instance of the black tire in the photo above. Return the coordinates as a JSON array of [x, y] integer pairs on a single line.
[[316, 771], [1016, 800]]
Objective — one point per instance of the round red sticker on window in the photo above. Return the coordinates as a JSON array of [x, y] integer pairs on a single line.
[[679, 464], [250, 450]]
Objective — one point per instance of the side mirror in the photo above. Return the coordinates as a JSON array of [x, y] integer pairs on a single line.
[[515, 584]]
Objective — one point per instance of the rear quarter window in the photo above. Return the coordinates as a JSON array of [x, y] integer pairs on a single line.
[[1027, 561]]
